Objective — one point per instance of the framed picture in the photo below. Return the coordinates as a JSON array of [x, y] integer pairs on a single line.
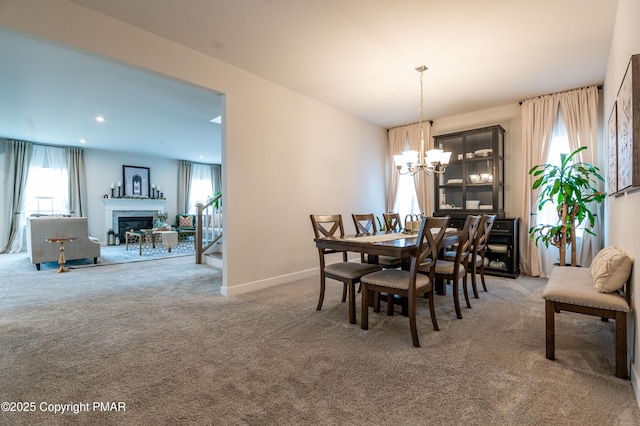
[[612, 144], [136, 181], [628, 128]]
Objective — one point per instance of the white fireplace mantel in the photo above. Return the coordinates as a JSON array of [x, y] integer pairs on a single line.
[[129, 204]]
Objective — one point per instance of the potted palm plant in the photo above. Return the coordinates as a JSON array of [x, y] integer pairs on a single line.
[[572, 187]]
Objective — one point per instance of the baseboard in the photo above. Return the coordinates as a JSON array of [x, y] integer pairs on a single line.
[[267, 283], [634, 383]]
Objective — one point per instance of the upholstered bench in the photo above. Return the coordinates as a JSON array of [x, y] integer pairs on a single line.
[[599, 291]]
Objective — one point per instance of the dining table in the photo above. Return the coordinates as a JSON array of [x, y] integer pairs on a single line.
[[394, 244]]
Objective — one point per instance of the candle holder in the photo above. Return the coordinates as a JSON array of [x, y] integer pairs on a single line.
[[153, 193], [112, 192], [119, 192]]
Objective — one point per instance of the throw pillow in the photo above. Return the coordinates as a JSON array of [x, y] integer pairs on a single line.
[[185, 221], [610, 269]]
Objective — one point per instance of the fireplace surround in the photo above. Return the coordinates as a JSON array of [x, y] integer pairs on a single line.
[[131, 208]]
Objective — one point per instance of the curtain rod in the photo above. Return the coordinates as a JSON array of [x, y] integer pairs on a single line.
[[410, 124], [599, 87]]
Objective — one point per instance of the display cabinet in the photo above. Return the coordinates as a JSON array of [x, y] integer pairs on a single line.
[[474, 179], [502, 256]]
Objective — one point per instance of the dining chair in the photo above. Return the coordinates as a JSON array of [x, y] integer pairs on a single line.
[[392, 222], [366, 225], [410, 284], [349, 273], [452, 270], [476, 257]]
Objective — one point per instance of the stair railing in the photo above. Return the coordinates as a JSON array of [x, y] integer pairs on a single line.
[[208, 226]]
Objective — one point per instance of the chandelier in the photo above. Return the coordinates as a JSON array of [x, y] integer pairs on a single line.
[[411, 162]]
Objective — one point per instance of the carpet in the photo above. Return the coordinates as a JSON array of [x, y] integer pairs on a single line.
[[111, 255], [173, 351]]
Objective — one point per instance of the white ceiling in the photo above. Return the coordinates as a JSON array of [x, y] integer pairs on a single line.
[[357, 55]]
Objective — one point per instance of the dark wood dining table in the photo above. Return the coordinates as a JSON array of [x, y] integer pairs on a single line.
[[395, 244]]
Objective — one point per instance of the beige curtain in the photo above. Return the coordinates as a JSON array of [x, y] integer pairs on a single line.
[[420, 179], [216, 172], [538, 116], [77, 199], [16, 170], [397, 139], [184, 185], [579, 110]]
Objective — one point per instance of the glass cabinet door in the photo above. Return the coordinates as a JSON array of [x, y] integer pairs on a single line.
[[473, 181]]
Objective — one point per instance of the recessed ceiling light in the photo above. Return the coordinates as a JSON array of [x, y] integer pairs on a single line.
[[99, 118], [83, 141], [217, 119], [201, 157]]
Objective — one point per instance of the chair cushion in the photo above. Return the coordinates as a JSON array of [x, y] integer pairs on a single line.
[[445, 267], [350, 270], [610, 269], [394, 278]]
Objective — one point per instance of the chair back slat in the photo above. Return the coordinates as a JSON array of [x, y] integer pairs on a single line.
[[392, 222], [482, 237], [428, 243], [469, 234], [364, 223]]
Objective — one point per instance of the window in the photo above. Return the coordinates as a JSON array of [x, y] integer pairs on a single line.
[[47, 187], [201, 185], [406, 198], [406, 201]]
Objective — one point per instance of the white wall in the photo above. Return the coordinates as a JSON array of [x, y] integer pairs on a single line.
[[285, 156], [622, 227]]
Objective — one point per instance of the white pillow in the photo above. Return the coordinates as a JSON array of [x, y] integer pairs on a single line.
[[610, 269]]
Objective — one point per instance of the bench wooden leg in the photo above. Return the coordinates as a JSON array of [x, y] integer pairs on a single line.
[[621, 345], [550, 329]]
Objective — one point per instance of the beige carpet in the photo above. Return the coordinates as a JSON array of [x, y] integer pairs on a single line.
[[158, 337]]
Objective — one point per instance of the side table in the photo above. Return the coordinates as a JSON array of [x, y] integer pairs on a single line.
[[61, 259]]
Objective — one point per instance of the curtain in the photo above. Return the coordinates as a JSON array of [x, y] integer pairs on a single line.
[[77, 201], [216, 172], [579, 110], [184, 185], [420, 179], [17, 168], [538, 116], [397, 138]]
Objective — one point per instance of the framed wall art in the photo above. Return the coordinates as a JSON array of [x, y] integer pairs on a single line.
[[136, 181], [612, 146], [628, 128]]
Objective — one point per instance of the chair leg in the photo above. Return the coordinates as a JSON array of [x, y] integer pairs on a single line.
[[412, 322], [432, 310], [376, 301], [550, 329], [322, 285], [621, 345], [456, 299], [484, 285], [464, 289], [352, 302], [390, 304], [344, 292], [364, 318], [474, 281]]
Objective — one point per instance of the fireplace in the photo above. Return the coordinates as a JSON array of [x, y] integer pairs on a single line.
[[127, 223], [115, 208]]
